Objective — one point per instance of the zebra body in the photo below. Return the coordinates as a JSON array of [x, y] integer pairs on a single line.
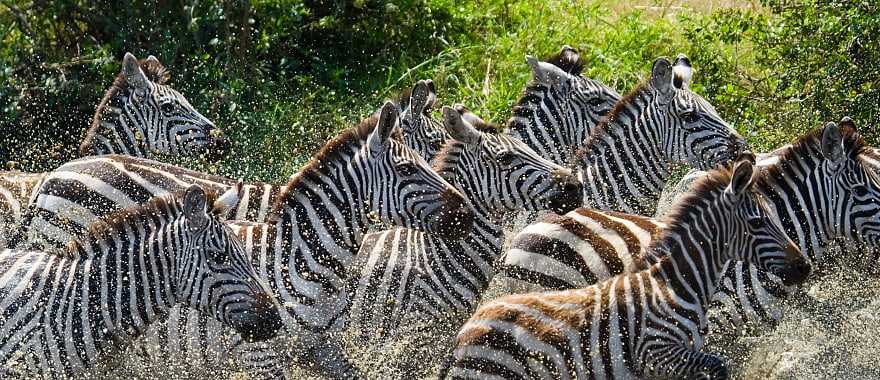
[[403, 276], [316, 224], [141, 116], [63, 314], [646, 324], [559, 107], [812, 195]]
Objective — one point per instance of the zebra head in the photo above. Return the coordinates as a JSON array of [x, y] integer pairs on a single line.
[[214, 272], [403, 190], [852, 183], [560, 107], [500, 172], [142, 116], [690, 130], [420, 131], [755, 235]]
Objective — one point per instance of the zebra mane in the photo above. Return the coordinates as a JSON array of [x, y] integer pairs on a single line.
[[853, 143], [681, 215], [155, 72], [568, 60], [104, 227], [600, 128], [330, 150]]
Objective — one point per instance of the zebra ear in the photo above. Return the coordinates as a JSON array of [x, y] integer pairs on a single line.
[[228, 201], [378, 140], [458, 126], [421, 96], [742, 177], [132, 72], [682, 72], [661, 77], [194, 207], [547, 74], [832, 143]]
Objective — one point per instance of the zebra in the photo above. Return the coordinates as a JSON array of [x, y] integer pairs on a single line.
[[401, 276], [68, 314], [419, 130], [313, 231], [559, 107], [627, 159], [822, 187], [646, 324], [140, 115]]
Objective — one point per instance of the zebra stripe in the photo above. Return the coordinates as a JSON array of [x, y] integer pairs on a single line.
[[62, 315], [140, 115], [822, 187], [559, 107], [636, 325], [317, 223], [403, 277], [628, 157]]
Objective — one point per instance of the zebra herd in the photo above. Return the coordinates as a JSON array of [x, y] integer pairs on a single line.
[[116, 252]]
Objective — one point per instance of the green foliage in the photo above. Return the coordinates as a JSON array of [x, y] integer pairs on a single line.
[[284, 76]]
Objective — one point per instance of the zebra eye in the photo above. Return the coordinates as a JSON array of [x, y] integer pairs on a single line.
[[407, 170], [860, 191], [756, 223], [506, 158], [167, 108], [690, 117], [595, 102]]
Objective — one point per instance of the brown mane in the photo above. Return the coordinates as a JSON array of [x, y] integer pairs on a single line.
[[360, 132], [154, 71], [105, 226], [810, 145], [563, 60]]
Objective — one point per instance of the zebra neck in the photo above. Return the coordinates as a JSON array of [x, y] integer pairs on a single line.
[[324, 211], [804, 214], [139, 287], [623, 167], [120, 131], [687, 266]]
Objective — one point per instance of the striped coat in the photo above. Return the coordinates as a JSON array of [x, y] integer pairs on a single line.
[[821, 187], [140, 115], [559, 107], [314, 229], [646, 324], [403, 277], [62, 315]]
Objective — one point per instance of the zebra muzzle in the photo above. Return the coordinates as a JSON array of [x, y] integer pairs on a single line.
[[567, 194], [454, 219], [261, 322]]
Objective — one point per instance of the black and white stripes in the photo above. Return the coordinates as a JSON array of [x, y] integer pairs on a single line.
[[63, 314], [403, 277], [638, 325]]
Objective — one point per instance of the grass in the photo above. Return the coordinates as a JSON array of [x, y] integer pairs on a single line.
[[485, 69]]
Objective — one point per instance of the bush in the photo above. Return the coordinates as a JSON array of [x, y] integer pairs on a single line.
[[283, 76]]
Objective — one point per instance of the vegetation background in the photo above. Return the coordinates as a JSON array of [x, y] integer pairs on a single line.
[[283, 76]]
